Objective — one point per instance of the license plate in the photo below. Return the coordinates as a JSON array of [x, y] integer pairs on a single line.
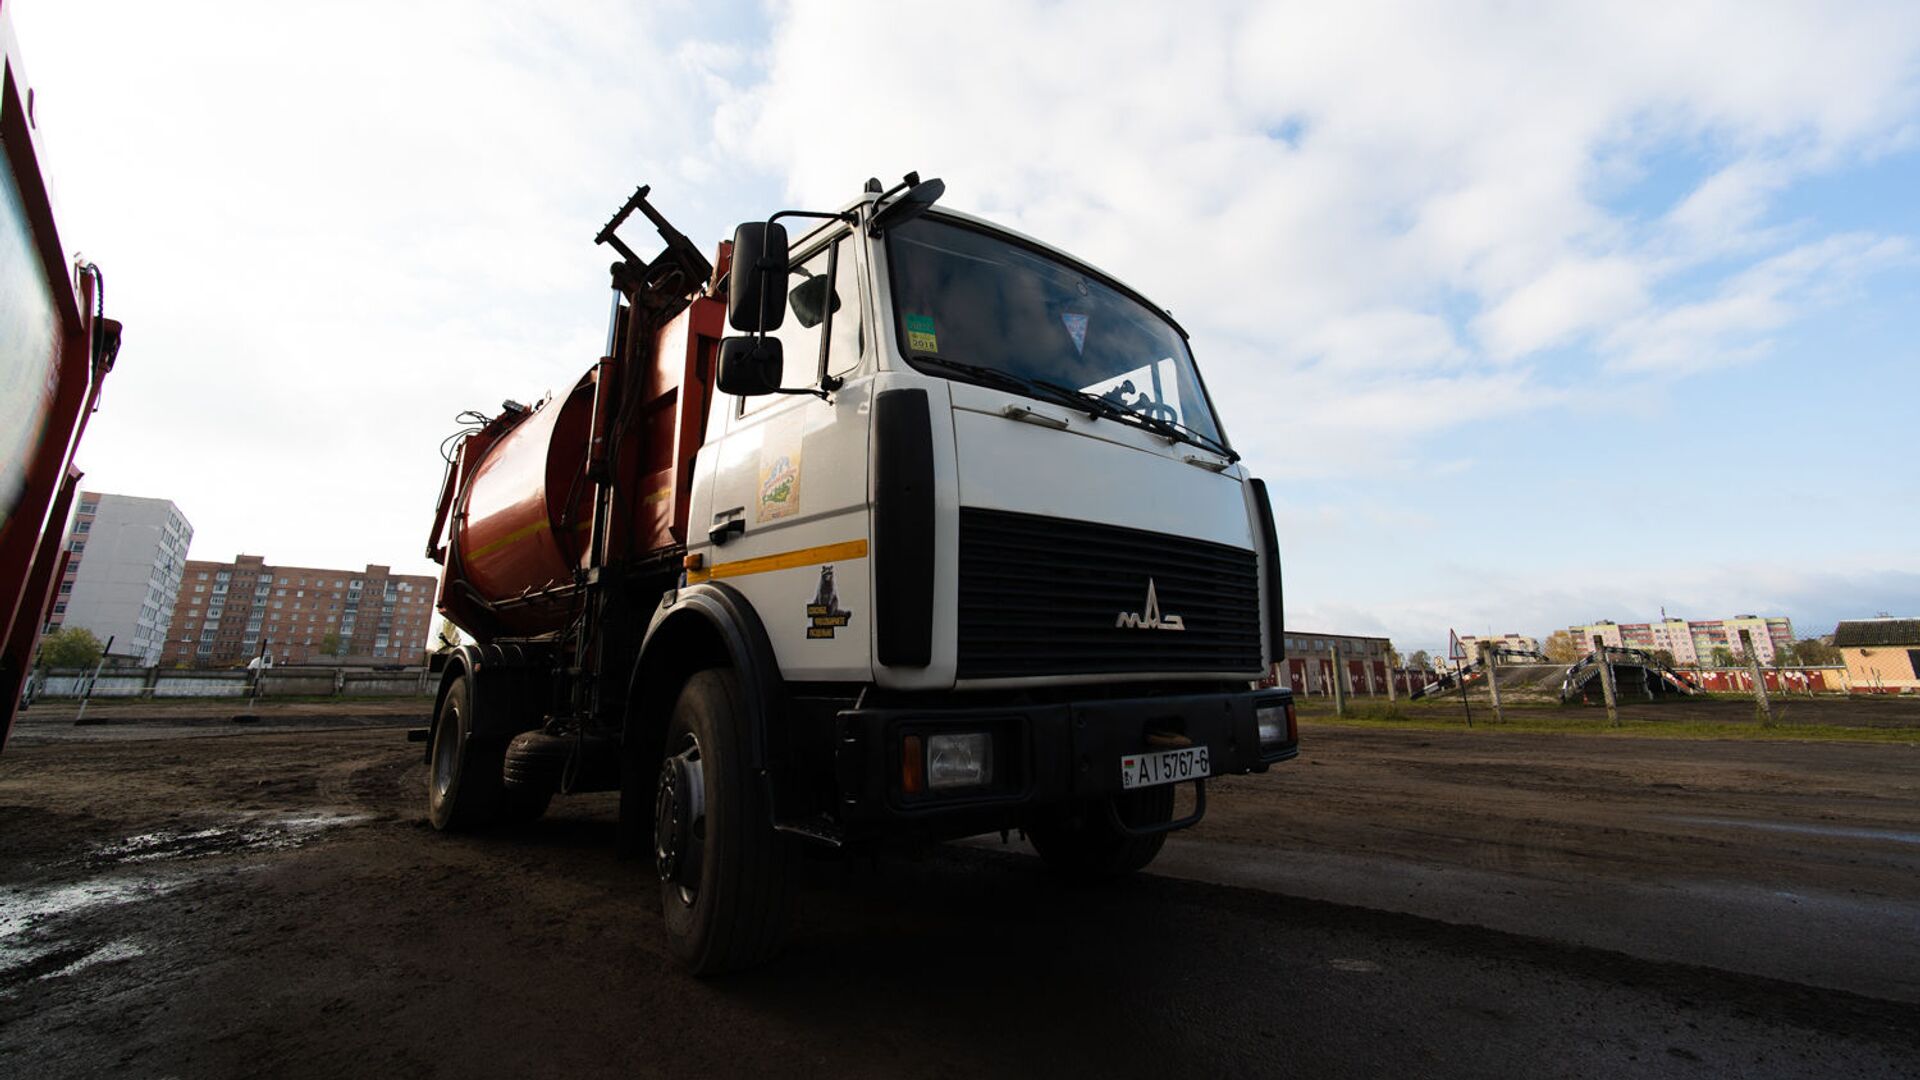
[[1165, 767]]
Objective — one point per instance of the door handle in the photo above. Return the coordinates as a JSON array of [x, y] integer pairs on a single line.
[[728, 524]]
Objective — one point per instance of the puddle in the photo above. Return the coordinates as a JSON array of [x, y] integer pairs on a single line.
[[105, 954], [258, 834], [34, 944], [1361, 967], [27, 910], [1845, 832]]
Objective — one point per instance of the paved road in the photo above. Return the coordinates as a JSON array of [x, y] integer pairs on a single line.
[[273, 905]]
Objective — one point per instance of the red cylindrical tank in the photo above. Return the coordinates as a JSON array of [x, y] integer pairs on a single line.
[[521, 524], [523, 511]]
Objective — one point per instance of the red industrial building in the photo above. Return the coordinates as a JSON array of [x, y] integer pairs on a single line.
[[1311, 660]]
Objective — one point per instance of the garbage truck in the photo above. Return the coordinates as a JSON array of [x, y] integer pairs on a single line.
[[887, 526], [56, 348]]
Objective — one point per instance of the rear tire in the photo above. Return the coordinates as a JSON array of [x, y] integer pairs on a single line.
[[464, 788], [1081, 842], [727, 879]]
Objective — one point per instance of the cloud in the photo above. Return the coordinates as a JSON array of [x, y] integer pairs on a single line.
[[328, 228], [1685, 338], [1352, 205]]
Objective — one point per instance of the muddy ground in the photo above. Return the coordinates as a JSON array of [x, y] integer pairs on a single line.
[[270, 902]]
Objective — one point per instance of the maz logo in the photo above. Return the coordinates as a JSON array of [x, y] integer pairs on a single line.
[[1152, 620]]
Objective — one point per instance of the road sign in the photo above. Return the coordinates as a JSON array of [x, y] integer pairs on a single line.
[[1455, 650]]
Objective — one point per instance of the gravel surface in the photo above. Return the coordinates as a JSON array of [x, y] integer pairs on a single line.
[[273, 904]]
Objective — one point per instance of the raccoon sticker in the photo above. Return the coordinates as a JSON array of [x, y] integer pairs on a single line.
[[824, 614]]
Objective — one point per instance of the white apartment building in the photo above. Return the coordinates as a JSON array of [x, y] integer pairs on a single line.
[[1692, 641], [1515, 642], [125, 559]]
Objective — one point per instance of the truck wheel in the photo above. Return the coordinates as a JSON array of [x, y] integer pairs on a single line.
[[1081, 841], [464, 788], [726, 878]]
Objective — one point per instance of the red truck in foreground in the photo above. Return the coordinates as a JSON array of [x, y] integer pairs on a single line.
[[56, 346]]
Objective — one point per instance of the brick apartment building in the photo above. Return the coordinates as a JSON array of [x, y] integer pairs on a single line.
[[227, 610]]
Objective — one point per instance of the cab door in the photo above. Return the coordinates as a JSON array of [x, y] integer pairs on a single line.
[[788, 521]]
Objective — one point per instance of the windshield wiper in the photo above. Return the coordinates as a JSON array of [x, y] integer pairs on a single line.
[[1195, 438], [1171, 430], [1038, 389], [1095, 406]]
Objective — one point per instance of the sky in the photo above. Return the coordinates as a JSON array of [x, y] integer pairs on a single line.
[[1531, 315]]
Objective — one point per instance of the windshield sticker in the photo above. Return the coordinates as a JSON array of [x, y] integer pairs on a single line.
[[1077, 327], [920, 334], [824, 613]]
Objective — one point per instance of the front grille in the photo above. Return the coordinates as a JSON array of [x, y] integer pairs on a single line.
[[1042, 596]]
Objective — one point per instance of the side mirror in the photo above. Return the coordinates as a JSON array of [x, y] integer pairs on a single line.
[[907, 207], [812, 299], [750, 366], [757, 294]]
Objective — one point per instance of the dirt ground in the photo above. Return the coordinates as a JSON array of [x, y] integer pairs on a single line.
[[267, 900]]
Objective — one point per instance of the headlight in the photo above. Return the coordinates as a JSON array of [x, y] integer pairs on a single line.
[[955, 761], [1276, 723]]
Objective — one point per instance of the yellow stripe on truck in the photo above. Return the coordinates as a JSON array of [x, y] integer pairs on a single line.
[[786, 560], [517, 535], [513, 537]]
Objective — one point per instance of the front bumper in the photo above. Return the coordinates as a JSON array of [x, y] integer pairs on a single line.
[[1043, 754]]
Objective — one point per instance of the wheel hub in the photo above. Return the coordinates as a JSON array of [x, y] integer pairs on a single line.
[[679, 821]]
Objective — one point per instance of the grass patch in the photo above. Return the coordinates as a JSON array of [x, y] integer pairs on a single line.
[[1574, 720]]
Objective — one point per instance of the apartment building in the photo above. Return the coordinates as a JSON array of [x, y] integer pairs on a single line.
[[125, 558], [1692, 641], [230, 612], [1516, 642]]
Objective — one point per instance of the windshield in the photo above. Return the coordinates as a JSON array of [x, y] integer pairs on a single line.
[[964, 297]]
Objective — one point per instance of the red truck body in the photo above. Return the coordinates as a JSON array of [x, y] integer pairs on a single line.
[[55, 348]]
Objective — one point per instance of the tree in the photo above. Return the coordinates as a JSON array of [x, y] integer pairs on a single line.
[[1722, 656], [1785, 656], [1815, 653], [1561, 648], [1420, 661], [1665, 656], [1393, 658], [70, 647]]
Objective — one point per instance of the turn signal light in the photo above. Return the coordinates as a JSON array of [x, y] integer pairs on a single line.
[[913, 766]]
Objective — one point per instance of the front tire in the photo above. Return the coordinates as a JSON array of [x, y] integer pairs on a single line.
[[465, 789], [727, 879], [1082, 842]]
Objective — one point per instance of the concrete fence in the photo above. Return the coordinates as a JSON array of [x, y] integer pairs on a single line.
[[274, 682]]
